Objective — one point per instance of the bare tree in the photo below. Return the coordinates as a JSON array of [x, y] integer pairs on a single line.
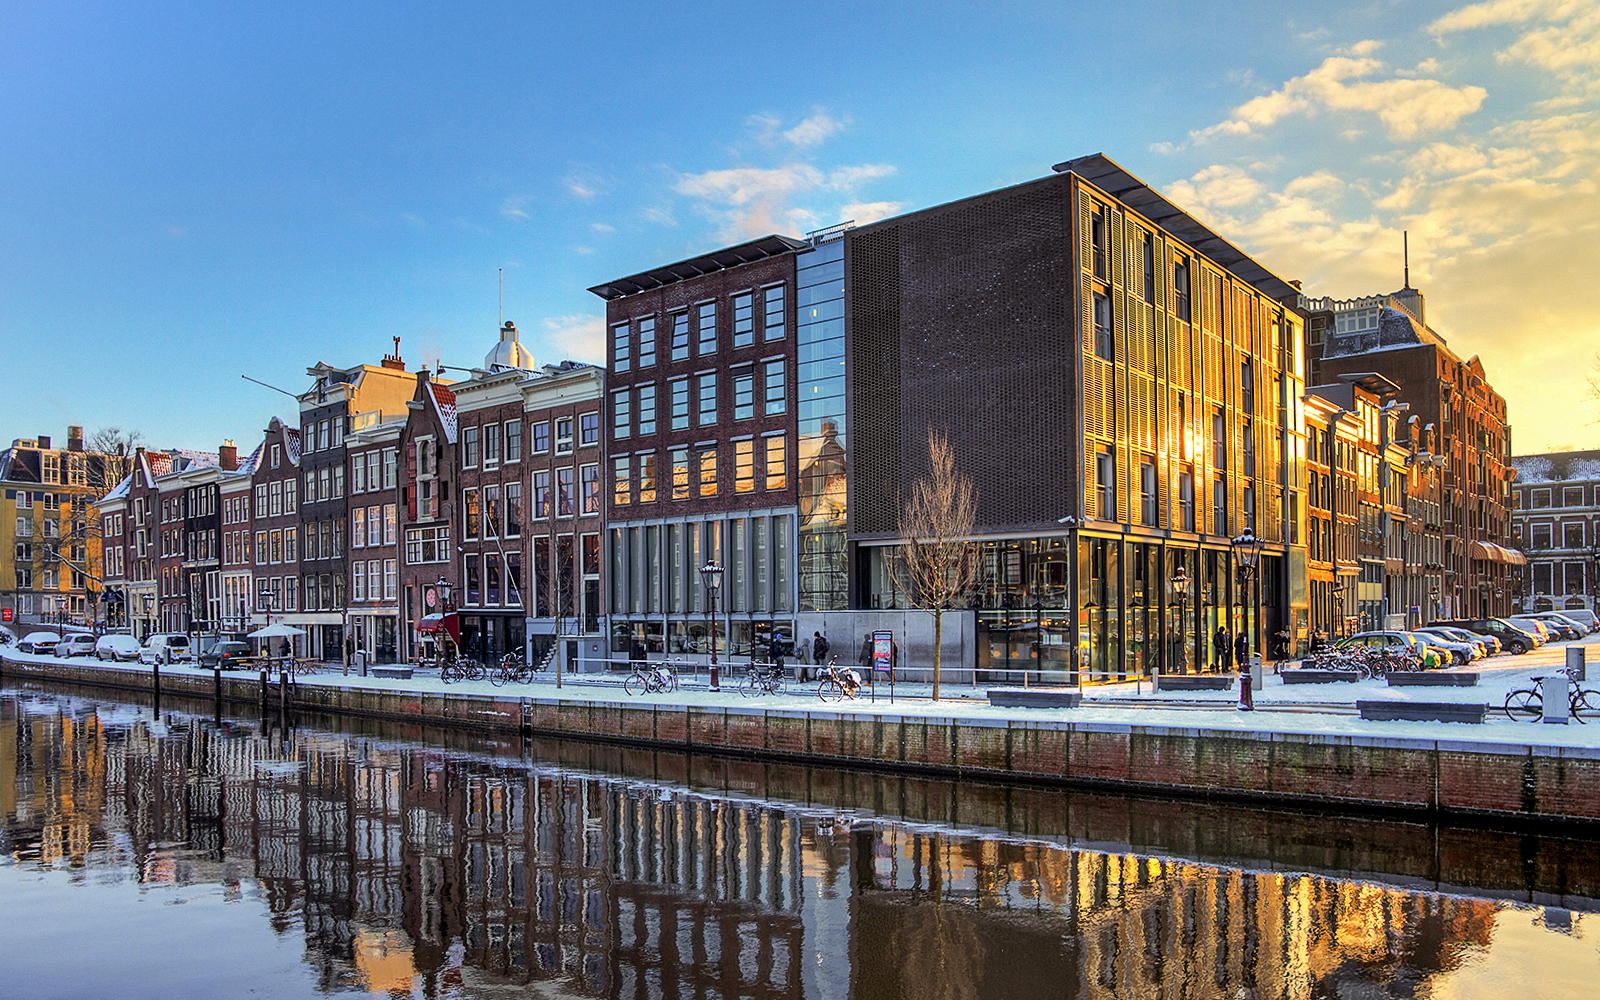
[[114, 441], [938, 558]]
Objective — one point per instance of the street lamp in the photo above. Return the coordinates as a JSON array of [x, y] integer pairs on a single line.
[[1247, 549], [1338, 621], [711, 574], [1180, 584]]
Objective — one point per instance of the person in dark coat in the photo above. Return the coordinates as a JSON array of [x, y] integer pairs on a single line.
[[775, 651], [1222, 646], [1241, 651], [819, 652]]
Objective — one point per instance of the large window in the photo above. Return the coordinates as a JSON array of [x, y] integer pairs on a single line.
[[708, 399], [776, 391], [744, 394], [564, 497], [513, 509], [589, 479], [647, 342], [428, 545], [678, 390], [773, 299], [679, 457], [621, 414], [647, 478], [622, 480], [680, 335], [647, 409], [744, 466], [541, 494], [777, 463], [1104, 342], [743, 319], [707, 327], [1572, 535], [1105, 480], [707, 462]]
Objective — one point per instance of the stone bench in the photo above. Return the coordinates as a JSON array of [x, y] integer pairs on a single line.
[[1196, 682], [1035, 697], [1441, 678], [1319, 676], [1421, 711], [392, 673]]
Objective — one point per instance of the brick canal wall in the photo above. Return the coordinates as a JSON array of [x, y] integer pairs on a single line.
[[1441, 777]]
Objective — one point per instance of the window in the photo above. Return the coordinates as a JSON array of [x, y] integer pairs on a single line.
[[680, 335], [777, 397], [541, 494], [541, 438], [277, 455], [589, 479], [621, 417], [678, 390], [389, 524], [588, 428], [1247, 388], [1097, 241], [1148, 245], [777, 463], [1572, 535], [1219, 507], [564, 492], [277, 547], [323, 438], [358, 585], [647, 478], [391, 463], [1105, 480], [679, 457], [564, 431], [1147, 492], [773, 299], [290, 486], [744, 466], [358, 528], [1104, 342], [469, 447], [275, 502], [491, 446], [1541, 536], [358, 475], [743, 319], [647, 411], [708, 471], [706, 327], [1219, 440], [491, 511], [262, 548], [338, 480], [513, 441], [708, 399], [619, 347], [1572, 496], [1186, 499], [1180, 288], [744, 394], [261, 500], [647, 342], [389, 579], [622, 481], [513, 509]]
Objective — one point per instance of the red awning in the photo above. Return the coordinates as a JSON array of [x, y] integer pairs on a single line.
[[447, 623]]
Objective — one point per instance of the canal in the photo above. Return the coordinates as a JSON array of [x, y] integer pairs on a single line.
[[176, 855]]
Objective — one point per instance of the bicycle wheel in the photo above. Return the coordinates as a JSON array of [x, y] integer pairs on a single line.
[[636, 684], [498, 677], [775, 684], [447, 673], [472, 670], [830, 690], [1524, 706], [749, 686], [1581, 705]]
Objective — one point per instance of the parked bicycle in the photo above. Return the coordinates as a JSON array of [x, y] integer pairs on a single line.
[[513, 669], [651, 679], [461, 669], [836, 683], [760, 679], [1527, 704]]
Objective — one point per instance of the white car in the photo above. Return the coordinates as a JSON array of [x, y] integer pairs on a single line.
[[75, 644], [117, 647], [38, 642], [165, 647]]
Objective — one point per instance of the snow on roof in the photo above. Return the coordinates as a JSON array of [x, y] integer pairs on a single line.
[[291, 444], [445, 402], [121, 490]]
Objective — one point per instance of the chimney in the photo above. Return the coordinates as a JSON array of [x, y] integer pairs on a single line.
[[228, 456], [44, 442], [393, 360], [74, 438], [1296, 283]]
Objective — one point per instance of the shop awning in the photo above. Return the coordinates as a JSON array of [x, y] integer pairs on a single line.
[[446, 623], [1490, 552]]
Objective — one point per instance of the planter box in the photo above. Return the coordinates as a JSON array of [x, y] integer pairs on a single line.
[[1320, 676], [1433, 679], [1421, 711], [1035, 697], [1196, 682], [393, 673]]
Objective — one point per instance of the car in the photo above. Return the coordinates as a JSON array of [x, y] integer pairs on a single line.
[[1487, 645], [1408, 643], [1583, 616], [1515, 640], [227, 654], [1535, 626], [165, 647], [117, 647], [75, 644], [1574, 629], [1458, 651], [39, 642]]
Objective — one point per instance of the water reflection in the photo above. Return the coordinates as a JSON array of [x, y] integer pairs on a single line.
[[410, 869]]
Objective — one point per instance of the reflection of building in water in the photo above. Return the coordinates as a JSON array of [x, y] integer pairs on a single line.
[[405, 866]]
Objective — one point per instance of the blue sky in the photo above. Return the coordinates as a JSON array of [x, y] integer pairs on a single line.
[[188, 193]]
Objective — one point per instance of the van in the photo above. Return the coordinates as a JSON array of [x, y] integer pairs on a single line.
[[165, 647]]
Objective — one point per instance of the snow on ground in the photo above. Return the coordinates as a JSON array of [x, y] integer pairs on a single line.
[[1312, 709]]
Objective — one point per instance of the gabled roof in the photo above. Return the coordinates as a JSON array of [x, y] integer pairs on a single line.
[[444, 403], [291, 444], [1108, 175], [694, 267], [121, 490]]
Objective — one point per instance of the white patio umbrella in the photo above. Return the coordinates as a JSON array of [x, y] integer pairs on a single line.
[[275, 631]]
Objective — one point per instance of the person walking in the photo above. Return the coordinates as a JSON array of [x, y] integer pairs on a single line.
[[820, 649], [1222, 646], [775, 652]]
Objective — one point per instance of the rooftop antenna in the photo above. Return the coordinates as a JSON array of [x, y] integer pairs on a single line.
[[1405, 253]]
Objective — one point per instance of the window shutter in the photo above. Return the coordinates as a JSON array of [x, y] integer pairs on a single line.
[[411, 501]]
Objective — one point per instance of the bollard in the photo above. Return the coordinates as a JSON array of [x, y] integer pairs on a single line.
[[1575, 663], [1246, 699], [1553, 687], [1255, 672]]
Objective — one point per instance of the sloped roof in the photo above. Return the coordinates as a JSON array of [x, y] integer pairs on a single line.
[[291, 444], [694, 267], [444, 402], [121, 490]]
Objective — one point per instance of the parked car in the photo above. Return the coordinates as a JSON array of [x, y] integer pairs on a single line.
[[38, 642], [1408, 643], [165, 647], [226, 653], [75, 644], [1458, 651], [1534, 625], [1583, 616], [1574, 628], [1487, 645], [117, 647], [1515, 640]]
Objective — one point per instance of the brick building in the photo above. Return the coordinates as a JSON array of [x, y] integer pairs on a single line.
[[428, 569], [1556, 521], [375, 497], [275, 527]]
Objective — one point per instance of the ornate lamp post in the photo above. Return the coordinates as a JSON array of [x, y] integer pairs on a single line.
[[1338, 621], [1247, 549], [1180, 585], [711, 575]]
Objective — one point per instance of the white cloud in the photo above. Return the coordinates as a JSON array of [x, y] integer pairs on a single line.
[[754, 201], [581, 338], [863, 212], [601, 227], [511, 208], [1407, 107], [812, 130], [743, 185], [849, 178], [1564, 38]]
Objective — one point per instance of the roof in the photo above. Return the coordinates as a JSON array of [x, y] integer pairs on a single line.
[[1372, 382], [291, 444], [444, 402], [694, 267], [1108, 175]]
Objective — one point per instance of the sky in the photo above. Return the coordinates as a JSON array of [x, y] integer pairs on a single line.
[[191, 193]]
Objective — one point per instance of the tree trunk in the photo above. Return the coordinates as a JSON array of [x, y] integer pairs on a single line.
[[938, 647]]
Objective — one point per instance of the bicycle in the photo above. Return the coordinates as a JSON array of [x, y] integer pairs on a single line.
[[654, 680], [1527, 704], [454, 670], [838, 684], [512, 669], [761, 679]]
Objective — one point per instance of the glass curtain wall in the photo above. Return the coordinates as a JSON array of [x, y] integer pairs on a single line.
[[824, 575]]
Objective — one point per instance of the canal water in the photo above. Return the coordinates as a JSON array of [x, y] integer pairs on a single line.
[[173, 856]]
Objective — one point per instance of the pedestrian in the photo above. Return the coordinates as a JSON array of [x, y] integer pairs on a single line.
[[1222, 646], [775, 652], [1241, 651], [820, 648], [284, 652]]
